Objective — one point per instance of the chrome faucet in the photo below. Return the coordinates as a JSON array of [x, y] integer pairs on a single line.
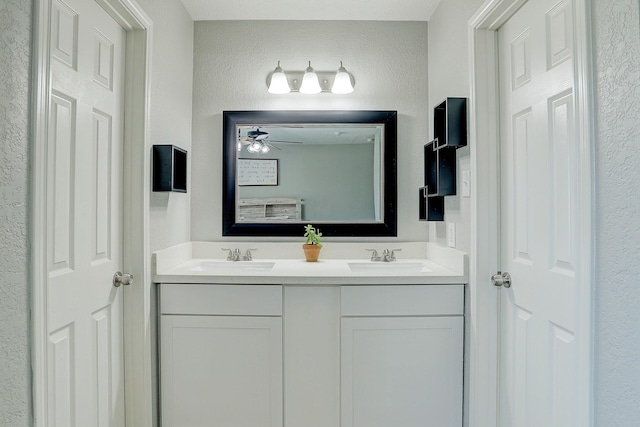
[[389, 255], [247, 255], [234, 255], [374, 255]]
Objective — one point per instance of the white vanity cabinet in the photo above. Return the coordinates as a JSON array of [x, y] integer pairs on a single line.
[[221, 355], [311, 355], [401, 356]]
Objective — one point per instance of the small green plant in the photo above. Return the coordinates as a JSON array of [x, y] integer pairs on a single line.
[[313, 236]]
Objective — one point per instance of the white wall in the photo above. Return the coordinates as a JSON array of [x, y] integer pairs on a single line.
[[232, 62], [170, 112], [449, 77], [170, 104], [15, 376], [617, 303]]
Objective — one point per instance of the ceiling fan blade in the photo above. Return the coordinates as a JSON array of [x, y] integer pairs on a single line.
[[286, 142], [273, 146]]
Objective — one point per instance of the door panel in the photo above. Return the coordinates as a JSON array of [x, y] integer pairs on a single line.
[[84, 216], [61, 167], [538, 216]]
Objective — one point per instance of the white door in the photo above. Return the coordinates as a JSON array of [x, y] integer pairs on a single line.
[[539, 314], [84, 217]]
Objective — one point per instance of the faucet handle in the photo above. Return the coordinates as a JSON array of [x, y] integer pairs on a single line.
[[247, 254], [229, 255], [392, 256], [374, 254]]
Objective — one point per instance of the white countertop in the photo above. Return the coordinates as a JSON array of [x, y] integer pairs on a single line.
[[205, 262]]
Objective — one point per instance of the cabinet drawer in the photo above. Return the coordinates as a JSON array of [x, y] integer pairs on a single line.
[[226, 300], [395, 300]]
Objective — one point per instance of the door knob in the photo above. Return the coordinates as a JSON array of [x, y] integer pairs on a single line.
[[501, 279], [120, 278]]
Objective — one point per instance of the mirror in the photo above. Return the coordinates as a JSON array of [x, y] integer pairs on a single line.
[[285, 169]]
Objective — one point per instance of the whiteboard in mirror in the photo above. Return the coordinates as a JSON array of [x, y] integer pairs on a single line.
[[257, 172]]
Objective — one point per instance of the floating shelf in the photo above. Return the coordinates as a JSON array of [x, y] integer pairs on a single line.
[[450, 123], [450, 133], [169, 168], [431, 207], [439, 170]]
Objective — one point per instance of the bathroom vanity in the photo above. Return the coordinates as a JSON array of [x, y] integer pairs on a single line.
[[342, 342]]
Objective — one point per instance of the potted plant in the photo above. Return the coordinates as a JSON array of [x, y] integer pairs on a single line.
[[312, 246]]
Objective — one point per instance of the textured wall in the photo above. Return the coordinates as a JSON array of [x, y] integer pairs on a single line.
[[617, 304], [449, 76], [15, 389], [233, 59], [170, 112]]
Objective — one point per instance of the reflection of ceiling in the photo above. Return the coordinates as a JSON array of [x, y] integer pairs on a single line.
[[334, 10], [320, 134]]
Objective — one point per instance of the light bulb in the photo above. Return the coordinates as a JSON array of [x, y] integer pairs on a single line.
[[342, 83], [279, 83], [254, 147], [310, 82], [265, 149]]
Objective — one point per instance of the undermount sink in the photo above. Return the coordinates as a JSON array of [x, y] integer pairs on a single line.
[[213, 266], [393, 266]]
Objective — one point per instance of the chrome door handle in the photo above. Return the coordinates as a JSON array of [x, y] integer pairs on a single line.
[[120, 278], [501, 279]]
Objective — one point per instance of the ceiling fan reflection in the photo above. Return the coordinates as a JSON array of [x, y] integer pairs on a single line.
[[257, 141]]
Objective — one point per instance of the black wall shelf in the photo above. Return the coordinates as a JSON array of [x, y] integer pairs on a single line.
[[450, 133], [450, 123], [169, 168], [439, 170], [431, 207]]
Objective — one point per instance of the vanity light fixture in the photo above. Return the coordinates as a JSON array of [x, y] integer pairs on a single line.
[[310, 81]]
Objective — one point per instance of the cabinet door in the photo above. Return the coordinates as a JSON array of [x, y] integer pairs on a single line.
[[221, 371], [402, 371]]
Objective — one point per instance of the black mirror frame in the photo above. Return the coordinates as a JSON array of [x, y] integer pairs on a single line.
[[231, 119]]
